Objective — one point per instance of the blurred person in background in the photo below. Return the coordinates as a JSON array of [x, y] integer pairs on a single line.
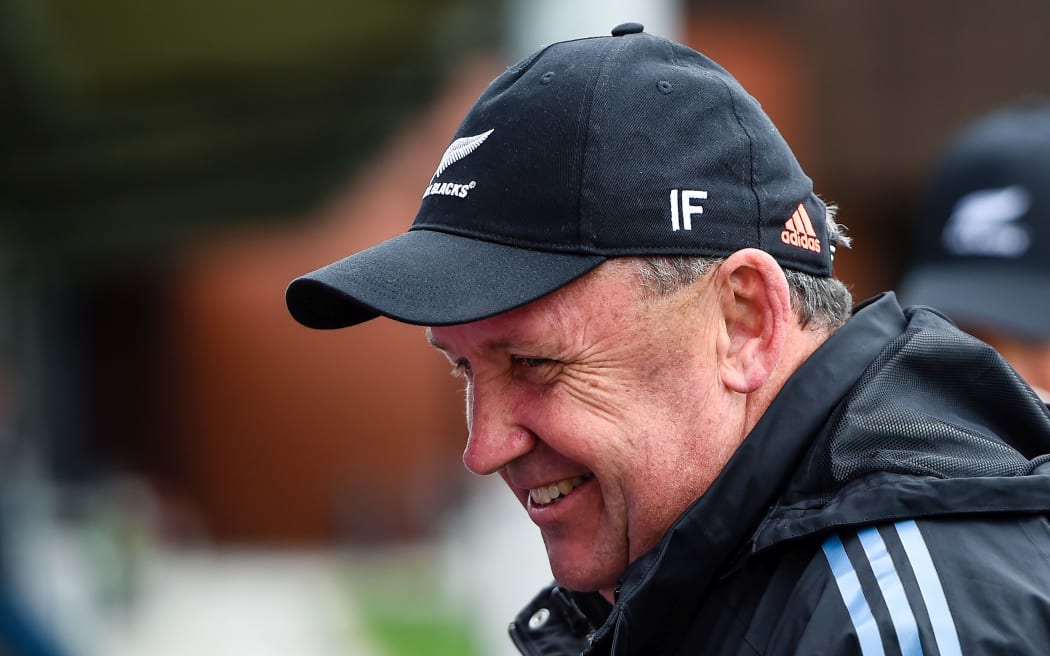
[[983, 236], [625, 262]]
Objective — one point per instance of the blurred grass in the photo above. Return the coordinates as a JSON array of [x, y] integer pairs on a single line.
[[404, 607], [417, 636]]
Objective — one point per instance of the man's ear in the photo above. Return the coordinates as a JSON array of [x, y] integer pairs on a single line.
[[756, 310]]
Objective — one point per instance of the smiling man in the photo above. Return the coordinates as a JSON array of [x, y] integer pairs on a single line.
[[605, 418], [622, 258]]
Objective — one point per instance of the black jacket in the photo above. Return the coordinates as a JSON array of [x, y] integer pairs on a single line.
[[894, 499]]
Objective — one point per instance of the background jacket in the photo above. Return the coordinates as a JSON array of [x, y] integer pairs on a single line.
[[893, 499]]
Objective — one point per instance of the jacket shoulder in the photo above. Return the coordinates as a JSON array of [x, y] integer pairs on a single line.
[[945, 585]]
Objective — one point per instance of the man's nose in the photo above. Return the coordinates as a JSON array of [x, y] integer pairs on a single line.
[[495, 438]]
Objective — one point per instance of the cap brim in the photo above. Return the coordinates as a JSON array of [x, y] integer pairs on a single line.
[[430, 279], [985, 297]]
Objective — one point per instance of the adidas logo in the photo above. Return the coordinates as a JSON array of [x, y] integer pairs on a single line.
[[456, 151], [798, 231]]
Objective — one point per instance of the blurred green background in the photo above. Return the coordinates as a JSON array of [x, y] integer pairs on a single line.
[[131, 125]]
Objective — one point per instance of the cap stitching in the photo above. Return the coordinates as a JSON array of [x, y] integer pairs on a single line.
[[670, 52], [568, 249], [587, 107], [750, 163], [524, 66]]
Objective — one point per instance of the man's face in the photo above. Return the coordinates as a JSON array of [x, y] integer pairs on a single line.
[[603, 412]]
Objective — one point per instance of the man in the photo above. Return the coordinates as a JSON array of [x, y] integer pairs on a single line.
[[622, 257], [984, 237]]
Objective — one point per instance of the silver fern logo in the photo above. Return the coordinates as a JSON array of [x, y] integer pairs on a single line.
[[456, 151], [988, 222], [459, 149]]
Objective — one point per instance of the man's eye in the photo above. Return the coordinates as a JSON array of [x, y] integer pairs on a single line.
[[535, 370], [530, 363]]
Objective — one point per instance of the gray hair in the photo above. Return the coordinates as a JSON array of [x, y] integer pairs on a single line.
[[819, 303]]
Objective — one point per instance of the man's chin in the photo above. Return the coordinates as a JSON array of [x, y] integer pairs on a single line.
[[584, 578]]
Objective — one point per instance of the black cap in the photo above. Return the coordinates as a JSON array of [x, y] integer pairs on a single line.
[[983, 235], [627, 145]]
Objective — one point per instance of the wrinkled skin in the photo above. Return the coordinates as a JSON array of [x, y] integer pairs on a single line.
[[643, 398]]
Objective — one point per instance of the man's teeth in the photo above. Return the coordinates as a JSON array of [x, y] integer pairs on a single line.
[[547, 493]]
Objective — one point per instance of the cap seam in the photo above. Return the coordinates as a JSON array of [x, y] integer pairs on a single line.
[[581, 250], [750, 164], [616, 45], [525, 66], [503, 240], [670, 52]]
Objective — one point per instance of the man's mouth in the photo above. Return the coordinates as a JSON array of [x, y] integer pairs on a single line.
[[545, 494]]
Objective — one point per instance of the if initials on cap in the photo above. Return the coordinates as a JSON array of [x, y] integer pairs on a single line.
[[684, 204]]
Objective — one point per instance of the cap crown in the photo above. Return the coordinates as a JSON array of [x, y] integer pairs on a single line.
[[625, 145]]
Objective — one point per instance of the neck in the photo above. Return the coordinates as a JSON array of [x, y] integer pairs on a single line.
[[800, 344]]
